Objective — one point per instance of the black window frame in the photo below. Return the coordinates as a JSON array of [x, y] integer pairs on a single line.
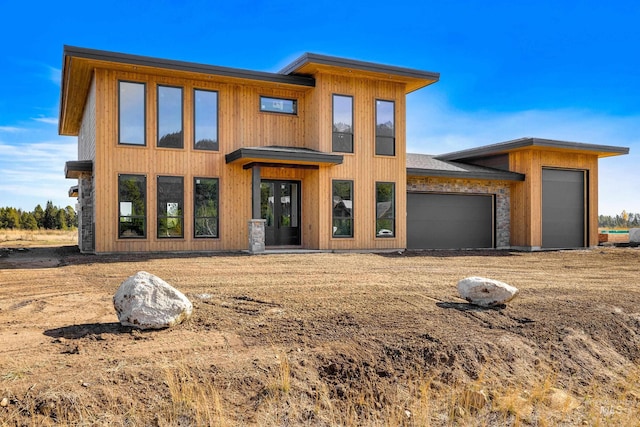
[[276, 98], [337, 137], [181, 132], [143, 179], [392, 218], [337, 218], [160, 201], [216, 144], [384, 141], [195, 210], [144, 113]]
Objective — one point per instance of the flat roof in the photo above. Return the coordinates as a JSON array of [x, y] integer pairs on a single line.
[[415, 79], [528, 142], [286, 155], [427, 165]]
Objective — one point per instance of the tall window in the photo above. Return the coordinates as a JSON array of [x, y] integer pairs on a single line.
[[385, 128], [132, 204], [342, 208], [205, 122], [170, 206], [131, 113], [170, 133], [205, 207], [385, 209], [343, 123]]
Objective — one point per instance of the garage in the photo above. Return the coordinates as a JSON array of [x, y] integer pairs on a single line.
[[563, 208], [450, 221]]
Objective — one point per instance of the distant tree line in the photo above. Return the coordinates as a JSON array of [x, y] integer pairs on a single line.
[[624, 220], [49, 218]]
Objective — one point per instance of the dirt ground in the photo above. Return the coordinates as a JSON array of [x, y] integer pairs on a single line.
[[323, 339]]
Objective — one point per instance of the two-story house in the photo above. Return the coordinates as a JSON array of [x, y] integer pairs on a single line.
[[177, 156]]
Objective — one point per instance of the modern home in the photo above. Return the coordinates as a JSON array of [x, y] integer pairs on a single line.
[[178, 156]]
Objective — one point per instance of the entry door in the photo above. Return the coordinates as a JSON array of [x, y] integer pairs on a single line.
[[280, 207]]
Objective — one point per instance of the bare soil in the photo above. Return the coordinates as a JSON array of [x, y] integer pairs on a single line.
[[321, 339]]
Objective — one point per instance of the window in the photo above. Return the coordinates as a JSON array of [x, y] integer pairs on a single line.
[[343, 123], [385, 209], [132, 202], [205, 207], [342, 208], [385, 128], [131, 113], [278, 105], [170, 117], [205, 121], [170, 206]]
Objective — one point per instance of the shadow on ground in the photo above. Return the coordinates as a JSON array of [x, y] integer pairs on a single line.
[[81, 331]]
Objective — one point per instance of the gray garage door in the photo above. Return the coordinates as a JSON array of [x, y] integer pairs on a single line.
[[563, 208], [449, 221]]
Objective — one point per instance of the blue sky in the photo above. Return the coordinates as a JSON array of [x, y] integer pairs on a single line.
[[509, 69]]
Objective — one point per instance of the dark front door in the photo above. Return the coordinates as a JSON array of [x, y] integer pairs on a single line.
[[280, 207]]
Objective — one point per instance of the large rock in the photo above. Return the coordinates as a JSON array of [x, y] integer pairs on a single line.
[[486, 292], [146, 301], [634, 235]]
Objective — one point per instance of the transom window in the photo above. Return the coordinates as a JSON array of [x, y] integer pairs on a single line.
[[278, 105], [170, 206], [205, 121], [343, 123], [131, 113], [385, 209], [170, 133], [205, 207], [132, 205], [385, 128], [342, 208]]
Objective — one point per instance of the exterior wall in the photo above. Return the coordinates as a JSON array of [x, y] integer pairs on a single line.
[[87, 134], [526, 205], [363, 166], [501, 190]]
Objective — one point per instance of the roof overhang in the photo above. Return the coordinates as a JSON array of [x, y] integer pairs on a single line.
[[489, 175], [312, 63], [76, 168], [78, 65], [73, 191], [282, 156], [534, 143]]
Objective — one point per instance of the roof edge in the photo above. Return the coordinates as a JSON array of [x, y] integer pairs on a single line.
[[507, 146], [489, 175], [125, 58], [309, 57]]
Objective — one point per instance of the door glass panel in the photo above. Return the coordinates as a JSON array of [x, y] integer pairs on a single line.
[[285, 205], [294, 204], [266, 202]]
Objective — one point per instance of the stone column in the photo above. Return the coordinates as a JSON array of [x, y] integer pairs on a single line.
[[86, 227], [256, 235]]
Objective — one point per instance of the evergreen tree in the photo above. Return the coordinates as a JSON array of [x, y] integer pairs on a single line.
[[28, 221], [38, 215], [50, 216]]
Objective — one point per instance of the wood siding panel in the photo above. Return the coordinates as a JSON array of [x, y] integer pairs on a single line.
[[526, 200]]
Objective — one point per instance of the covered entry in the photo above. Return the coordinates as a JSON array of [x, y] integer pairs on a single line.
[[563, 208], [450, 221]]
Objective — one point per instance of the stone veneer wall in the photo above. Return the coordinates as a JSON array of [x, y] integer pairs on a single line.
[[501, 189], [86, 214]]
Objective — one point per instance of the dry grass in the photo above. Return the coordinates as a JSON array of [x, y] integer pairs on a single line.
[[30, 238]]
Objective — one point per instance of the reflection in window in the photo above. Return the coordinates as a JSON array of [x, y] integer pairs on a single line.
[[170, 206], [131, 112], [170, 117], [342, 208], [385, 128], [205, 111], [278, 105], [343, 123], [132, 190], [385, 209], [205, 207]]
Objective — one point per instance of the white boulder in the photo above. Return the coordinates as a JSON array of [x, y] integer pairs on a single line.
[[145, 301], [486, 292], [634, 235]]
